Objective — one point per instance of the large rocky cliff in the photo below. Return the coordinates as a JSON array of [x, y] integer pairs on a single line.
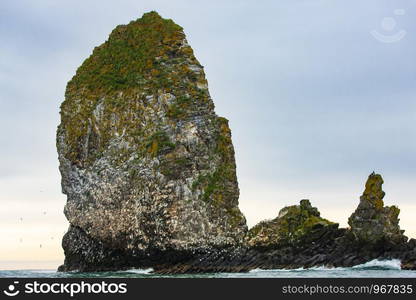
[[147, 166]]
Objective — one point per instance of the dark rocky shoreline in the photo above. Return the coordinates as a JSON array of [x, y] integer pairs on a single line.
[[150, 174]]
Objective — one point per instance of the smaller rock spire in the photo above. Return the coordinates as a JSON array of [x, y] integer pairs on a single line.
[[372, 222]]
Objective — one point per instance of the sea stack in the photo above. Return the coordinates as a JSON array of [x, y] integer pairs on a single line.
[[373, 224], [147, 166]]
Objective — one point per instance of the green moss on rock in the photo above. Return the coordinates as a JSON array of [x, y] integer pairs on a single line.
[[180, 107], [128, 57], [373, 190], [158, 143]]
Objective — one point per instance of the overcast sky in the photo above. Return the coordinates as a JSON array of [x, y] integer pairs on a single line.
[[318, 93]]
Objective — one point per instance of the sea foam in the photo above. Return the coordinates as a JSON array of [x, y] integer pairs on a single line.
[[139, 271], [376, 264]]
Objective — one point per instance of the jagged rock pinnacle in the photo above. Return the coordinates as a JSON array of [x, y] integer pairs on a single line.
[[373, 223], [373, 190]]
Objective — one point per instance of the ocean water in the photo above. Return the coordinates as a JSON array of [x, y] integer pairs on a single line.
[[375, 268]]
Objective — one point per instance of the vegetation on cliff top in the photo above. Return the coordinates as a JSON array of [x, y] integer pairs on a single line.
[[147, 57], [292, 223], [127, 58]]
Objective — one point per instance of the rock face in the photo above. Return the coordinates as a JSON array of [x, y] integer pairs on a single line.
[[372, 223], [147, 166]]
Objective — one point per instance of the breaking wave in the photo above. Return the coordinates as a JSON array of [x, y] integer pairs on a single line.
[[139, 271], [376, 264], [392, 264]]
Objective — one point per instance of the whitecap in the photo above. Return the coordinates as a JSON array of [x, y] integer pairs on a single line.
[[138, 271], [391, 264]]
